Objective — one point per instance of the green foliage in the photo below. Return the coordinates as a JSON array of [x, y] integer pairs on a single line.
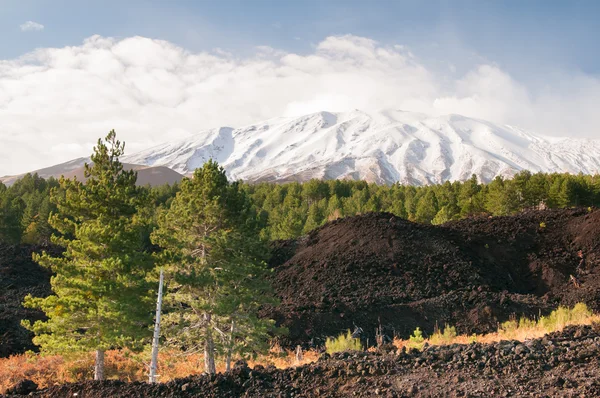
[[427, 208], [344, 342], [11, 211], [24, 210], [215, 268], [444, 337], [564, 315], [286, 211], [502, 197], [100, 297], [557, 319], [416, 340]]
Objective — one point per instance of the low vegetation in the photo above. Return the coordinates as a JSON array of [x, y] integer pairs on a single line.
[[126, 365], [514, 329], [130, 366], [48, 370], [344, 342]]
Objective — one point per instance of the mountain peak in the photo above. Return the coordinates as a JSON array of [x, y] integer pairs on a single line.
[[385, 147]]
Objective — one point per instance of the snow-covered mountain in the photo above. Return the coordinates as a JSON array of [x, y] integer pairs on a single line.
[[382, 147]]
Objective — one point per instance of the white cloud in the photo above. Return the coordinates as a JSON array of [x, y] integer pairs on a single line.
[[55, 102], [31, 26]]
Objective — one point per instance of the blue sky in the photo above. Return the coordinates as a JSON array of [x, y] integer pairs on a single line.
[[521, 36], [159, 70]]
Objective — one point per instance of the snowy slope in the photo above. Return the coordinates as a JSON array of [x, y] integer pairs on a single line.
[[383, 147]]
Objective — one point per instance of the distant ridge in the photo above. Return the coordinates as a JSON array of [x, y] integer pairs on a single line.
[[147, 175], [383, 147]]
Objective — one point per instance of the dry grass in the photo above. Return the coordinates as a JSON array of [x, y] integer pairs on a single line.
[[47, 370], [513, 329], [125, 365]]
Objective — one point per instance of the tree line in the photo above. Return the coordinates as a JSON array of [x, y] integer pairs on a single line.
[[290, 210]]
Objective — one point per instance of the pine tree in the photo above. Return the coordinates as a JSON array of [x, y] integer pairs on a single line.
[[315, 216], [334, 208], [427, 208], [444, 215], [11, 211], [214, 260], [467, 196], [101, 298], [502, 197]]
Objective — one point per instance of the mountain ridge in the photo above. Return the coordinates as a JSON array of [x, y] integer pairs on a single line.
[[384, 147]]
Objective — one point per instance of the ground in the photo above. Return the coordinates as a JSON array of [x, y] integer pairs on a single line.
[[565, 364]]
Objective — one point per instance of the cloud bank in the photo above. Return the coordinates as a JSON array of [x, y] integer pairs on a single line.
[[55, 102], [31, 26]]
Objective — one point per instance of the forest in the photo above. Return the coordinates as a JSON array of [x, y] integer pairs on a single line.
[[289, 210]]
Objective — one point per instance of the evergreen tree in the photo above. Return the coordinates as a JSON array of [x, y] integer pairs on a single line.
[[410, 202], [502, 197], [427, 208], [466, 199], [335, 208], [561, 191], [214, 260], [11, 211], [101, 298], [315, 216], [536, 190], [446, 213]]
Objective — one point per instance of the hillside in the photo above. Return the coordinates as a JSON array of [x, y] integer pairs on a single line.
[[153, 176], [377, 269], [383, 147]]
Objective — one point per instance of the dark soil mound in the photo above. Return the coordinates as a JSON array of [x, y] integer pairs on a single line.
[[19, 276], [377, 269], [565, 364]]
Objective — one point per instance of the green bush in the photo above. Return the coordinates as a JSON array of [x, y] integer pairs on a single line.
[[560, 317], [444, 337], [344, 342], [557, 319], [416, 340]]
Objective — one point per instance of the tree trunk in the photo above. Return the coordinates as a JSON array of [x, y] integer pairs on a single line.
[[209, 349], [154, 360], [99, 365], [230, 349]]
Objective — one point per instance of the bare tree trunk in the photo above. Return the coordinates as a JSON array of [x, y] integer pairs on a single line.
[[230, 349], [154, 360], [209, 349], [99, 365]]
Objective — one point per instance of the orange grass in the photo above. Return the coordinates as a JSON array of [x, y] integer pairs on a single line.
[[521, 330], [47, 370]]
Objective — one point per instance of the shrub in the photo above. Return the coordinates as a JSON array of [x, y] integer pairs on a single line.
[[416, 340], [564, 316], [445, 337], [344, 342], [514, 329]]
